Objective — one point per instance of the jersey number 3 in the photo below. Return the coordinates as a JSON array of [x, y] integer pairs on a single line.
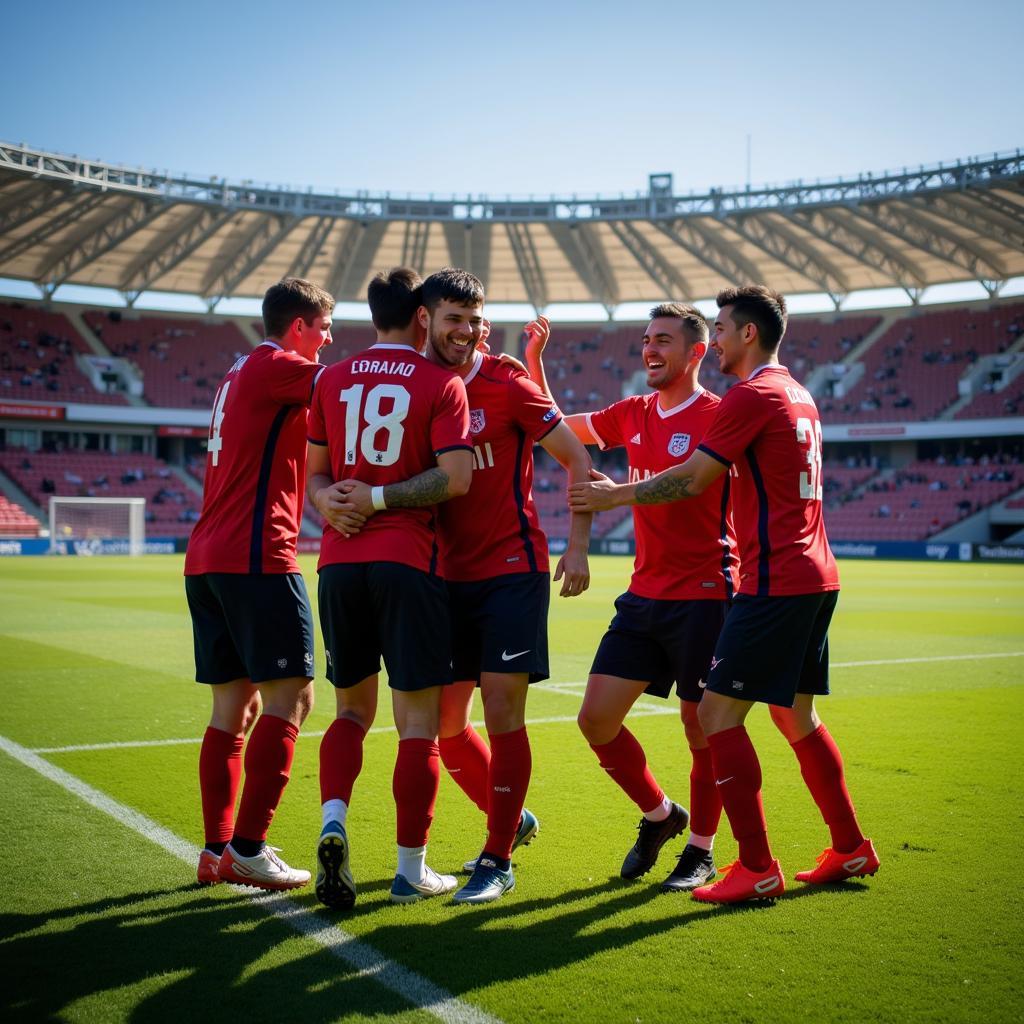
[[810, 435], [380, 427]]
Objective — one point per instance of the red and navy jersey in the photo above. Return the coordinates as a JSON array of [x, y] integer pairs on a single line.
[[682, 553], [768, 430], [385, 415], [255, 466], [494, 530]]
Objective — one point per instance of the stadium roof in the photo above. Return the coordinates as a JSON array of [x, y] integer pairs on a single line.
[[64, 220]]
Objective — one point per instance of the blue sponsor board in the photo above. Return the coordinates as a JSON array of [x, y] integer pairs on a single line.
[[106, 546], [931, 551]]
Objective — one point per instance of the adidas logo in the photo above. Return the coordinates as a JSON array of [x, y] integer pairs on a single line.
[[635, 439]]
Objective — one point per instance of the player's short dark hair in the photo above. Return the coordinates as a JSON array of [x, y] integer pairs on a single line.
[[693, 319], [758, 305], [394, 296], [452, 285], [291, 298]]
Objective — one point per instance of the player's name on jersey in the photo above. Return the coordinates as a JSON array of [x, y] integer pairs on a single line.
[[798, 396], [382, 366]]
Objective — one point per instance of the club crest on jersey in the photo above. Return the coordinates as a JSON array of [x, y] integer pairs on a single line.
[[477, 421], [678, 445]]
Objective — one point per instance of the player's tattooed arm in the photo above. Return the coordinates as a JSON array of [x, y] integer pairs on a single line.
[[664, 488], [427, 488]]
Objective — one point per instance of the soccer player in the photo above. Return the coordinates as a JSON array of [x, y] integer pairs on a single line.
[[774, 646], [666, 624], [389, 439], [251, 620], [494, 557]]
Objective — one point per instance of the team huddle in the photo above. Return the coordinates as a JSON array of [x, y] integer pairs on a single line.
[[417, 453]]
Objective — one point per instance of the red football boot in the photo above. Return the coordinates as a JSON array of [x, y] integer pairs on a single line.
[[835, 867], [208, 868], [740, 883]]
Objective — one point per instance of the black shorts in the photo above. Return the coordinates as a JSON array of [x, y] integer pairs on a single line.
[[773, 648], [660, 642], [250, 626], [501, 625], [370, 610]]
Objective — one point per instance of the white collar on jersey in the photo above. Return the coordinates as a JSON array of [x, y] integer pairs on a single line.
[[389, 344], [665, 413], [478, 361], [272, 344], [767, 366]]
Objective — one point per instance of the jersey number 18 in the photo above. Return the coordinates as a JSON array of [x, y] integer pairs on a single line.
[[388, 424]]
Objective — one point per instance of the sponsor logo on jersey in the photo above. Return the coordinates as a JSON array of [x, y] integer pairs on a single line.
[[549, 415], [477, 421], [678, 445], [635, 439]]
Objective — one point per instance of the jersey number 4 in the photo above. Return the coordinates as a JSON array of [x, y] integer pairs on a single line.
[[215, 442], [810, 435], [380, 427]]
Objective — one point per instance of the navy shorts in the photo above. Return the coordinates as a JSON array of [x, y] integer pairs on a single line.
[[773, 648], [250, 626], [501, 625], [660, 643], [374, 610]]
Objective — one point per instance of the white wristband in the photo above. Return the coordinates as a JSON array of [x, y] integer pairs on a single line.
[[377, 499]]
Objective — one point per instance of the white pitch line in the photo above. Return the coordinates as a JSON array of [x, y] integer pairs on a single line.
[[562, 689], [367, 961]]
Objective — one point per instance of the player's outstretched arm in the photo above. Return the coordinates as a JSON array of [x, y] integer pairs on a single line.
[[327, 497], [687, 480], [450, 478], [573, 567]]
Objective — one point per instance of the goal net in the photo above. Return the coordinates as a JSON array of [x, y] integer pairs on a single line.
[[97, 526]]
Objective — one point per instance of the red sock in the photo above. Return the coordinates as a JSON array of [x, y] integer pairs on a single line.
[[468, 760], [821, 765], [626, 764], [738, 774], [220, 771], [341, 759], [414, 784], [268, 763], [511, 763], [705, 800]]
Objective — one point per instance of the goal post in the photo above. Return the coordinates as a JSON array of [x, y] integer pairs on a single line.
[[97, 526]]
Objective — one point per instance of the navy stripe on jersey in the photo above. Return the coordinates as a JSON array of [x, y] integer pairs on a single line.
[[714, 455], [764, 543], [517, 491], [540, 437], [259, 511], [723, 534], [454, 448]]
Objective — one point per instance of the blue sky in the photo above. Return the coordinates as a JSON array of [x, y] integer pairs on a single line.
[[531, 98]]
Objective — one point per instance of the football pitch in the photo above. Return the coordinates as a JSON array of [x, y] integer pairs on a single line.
[[101, 920]]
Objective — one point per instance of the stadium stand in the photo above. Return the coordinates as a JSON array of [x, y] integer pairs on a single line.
[[182, 361], [171, 507], [37, 358], [912, 371], [15, 521], [915, 501]]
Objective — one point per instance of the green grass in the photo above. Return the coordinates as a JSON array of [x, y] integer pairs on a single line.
[[98, 924]]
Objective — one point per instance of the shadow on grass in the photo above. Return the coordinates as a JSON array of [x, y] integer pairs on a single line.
[[178, 954], [192, 953]]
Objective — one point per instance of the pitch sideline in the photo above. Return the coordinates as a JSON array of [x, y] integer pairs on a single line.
[[367, 962]]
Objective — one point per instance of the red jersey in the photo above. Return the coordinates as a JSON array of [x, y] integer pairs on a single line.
[[255, 466], [768, 430], [386, 414], [681, 554], [494, 530]]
